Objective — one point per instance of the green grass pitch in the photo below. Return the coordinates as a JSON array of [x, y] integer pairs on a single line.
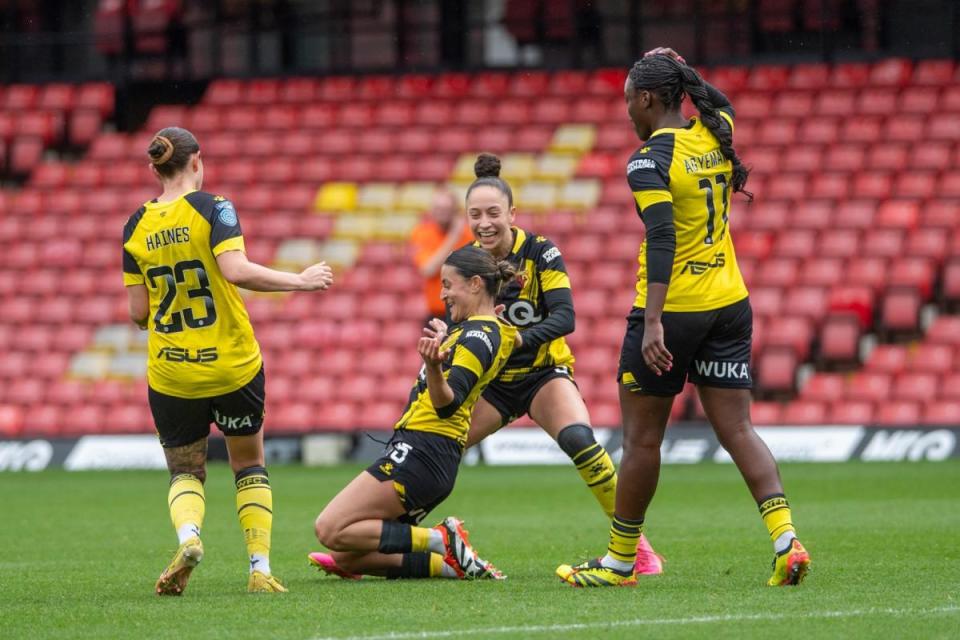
[[83, 551]]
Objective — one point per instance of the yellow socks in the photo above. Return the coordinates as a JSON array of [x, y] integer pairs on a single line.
[[596, 468], [187, 505], [255, 511], [622, 550], [775, 511], [593, 463]]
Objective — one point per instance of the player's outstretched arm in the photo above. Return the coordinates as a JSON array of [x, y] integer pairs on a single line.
[[238, 270]]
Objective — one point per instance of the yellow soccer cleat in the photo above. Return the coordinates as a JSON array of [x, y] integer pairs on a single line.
[[174, 578], [791, 566], [593, 574], [262, 583]]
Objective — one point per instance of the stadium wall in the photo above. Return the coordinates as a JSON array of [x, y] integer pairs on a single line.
[[686, 444]]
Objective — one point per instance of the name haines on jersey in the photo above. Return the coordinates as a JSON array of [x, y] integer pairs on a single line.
[[540, 271], [684, 166], [201, 342], [479, 347]]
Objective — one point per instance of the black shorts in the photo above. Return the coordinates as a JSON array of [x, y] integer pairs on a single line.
[[423, 467], [513, 399], [183, 421], [711, 348]]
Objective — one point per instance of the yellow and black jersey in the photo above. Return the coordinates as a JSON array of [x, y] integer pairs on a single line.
[[540, 304], [479, 347], [201, 342], [684, 166]]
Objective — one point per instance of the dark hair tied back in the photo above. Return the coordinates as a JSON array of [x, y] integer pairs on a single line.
[[170, 150], [472, 261], [487, 170], [670, 80]]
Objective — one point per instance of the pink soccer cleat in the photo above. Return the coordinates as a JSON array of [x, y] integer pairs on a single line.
[[326, 563], [649, 562]]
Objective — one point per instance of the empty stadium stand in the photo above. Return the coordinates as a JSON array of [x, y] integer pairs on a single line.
[[851, 248]]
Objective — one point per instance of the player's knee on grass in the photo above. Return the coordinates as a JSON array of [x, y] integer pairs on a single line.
[[328, 533]]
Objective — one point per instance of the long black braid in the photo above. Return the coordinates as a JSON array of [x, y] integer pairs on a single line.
[[670, 79]]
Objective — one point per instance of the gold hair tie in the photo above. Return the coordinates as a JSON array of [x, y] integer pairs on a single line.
[[168, 150]]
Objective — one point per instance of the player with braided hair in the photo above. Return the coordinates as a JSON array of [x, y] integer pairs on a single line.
[[691, 318]]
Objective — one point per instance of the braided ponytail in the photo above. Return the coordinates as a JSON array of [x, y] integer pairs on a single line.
[[669, 80], [693, 86]]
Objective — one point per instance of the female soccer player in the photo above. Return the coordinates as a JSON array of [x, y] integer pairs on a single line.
[[183, 259], [538, 378], [691, 317], [371, 525]]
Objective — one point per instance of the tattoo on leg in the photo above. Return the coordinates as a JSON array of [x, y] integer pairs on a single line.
[[191, 458]]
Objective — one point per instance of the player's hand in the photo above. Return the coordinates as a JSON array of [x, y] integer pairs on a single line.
[[316, 276], [655, 352], [665, 51], [429, 350], [436, 329]]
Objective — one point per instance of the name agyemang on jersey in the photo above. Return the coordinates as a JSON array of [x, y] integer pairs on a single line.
[[540, 270], [201, 343], [684, 166], [479, 347]]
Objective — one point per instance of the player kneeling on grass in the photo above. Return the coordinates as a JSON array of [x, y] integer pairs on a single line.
[[371, 525], [183, 259]]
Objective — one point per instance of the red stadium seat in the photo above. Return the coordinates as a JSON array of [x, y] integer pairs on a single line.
[[933, 358], [877, 101], [825, 387], [915, 273], [944, 126], [263, 91], [417, 86], [858, 412], [817, 271], [885, 156], [883, 243], [790, 332], [809, 77], [905, 128], [25, 153], [793, 104], [900, 312], [855, 214], [795, 243], [892, 72], [803, 412], [869, 386], [935, 73], [298, 90], [872, 185], [867, 271], [766, 413], [766, 301], [944, 330], [778, 272], [845, 158], [887, 358], [840, 340], [916, 387], [839, 243], [943, 412], [864, 129], [11, 420], [898, 412], [44, 421], [836, 103], [776, 372]]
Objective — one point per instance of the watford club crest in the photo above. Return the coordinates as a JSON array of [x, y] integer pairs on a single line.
[[521, 279]]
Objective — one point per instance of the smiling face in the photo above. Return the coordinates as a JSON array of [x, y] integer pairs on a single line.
[[639, 108], [461, 295], [490, 217]]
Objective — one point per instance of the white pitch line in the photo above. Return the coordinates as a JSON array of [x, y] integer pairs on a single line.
[[638, 622]]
